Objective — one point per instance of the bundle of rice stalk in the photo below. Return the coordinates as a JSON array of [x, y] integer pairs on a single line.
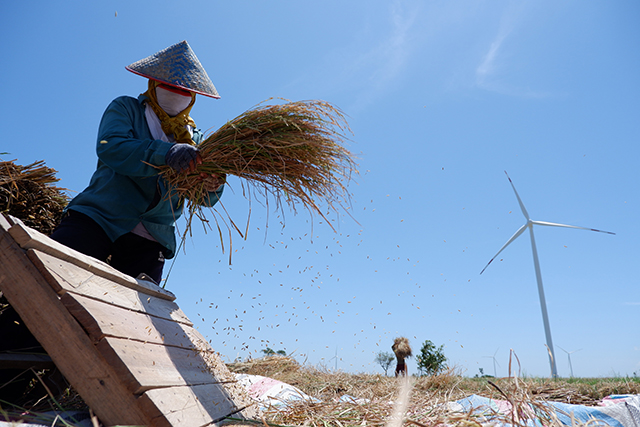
[[401, 347], [27, 192], [293, 152]]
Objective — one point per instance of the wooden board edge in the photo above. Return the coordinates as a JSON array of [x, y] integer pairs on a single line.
[[5, 222], [28, 238], [104, 319], [64, 276], [139, 365]]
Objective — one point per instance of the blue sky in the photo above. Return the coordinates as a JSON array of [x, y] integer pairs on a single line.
[[442, 98]]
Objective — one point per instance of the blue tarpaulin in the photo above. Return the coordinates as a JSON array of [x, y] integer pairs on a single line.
[[613, 411]]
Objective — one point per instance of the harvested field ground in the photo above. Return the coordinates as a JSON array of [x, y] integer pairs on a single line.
[[426, 398], [424, 406], [327, 385]]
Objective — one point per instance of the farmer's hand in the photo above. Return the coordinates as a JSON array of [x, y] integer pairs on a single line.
[[183, 157], [212, 182]]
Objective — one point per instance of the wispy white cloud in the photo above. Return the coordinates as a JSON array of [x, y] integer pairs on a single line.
[[493, 72], [488, 68], [391, 55], [384, 62], [369, 69]]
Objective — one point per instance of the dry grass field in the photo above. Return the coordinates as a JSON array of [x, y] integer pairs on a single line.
[[379, 400], [426, 406]]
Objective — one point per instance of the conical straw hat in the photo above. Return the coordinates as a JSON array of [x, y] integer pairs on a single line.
[[177, 66]]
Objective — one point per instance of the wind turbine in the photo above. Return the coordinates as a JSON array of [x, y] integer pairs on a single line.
[[569, 357], [543, 305], [494, 363], [336, 359]]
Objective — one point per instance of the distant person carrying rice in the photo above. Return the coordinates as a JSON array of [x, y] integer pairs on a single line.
[[127, 213], [402, 350]]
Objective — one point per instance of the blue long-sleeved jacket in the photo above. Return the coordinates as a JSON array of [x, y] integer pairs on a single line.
[[125, 189]]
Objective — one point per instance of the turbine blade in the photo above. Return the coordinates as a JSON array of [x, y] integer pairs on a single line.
[[553, 224], [514, 237], [524, 210]]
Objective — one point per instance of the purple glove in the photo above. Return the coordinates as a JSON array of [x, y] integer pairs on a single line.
[[181, 157]]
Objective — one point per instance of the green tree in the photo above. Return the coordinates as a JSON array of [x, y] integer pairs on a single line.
[[431, 360], [270, 352], [384, 359]]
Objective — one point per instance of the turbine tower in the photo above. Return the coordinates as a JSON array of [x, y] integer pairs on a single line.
[[536, 263]]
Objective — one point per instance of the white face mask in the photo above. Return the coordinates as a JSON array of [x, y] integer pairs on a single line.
[[171, 102]]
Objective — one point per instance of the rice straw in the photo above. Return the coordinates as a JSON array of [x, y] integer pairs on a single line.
[[293, 152]]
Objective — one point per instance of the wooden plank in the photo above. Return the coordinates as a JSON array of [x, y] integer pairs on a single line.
[[145, 366], [63, 338], [5, 223], [191, 406], [149, 366], [64, 276], [29, 238], [101, 319], [218, 399]]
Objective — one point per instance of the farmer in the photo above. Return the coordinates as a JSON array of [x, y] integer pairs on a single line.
[[402, 350], [126, 215]]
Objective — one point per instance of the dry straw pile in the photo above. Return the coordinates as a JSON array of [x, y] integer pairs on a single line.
[[292, 153], [422, 401], [28, 193]]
